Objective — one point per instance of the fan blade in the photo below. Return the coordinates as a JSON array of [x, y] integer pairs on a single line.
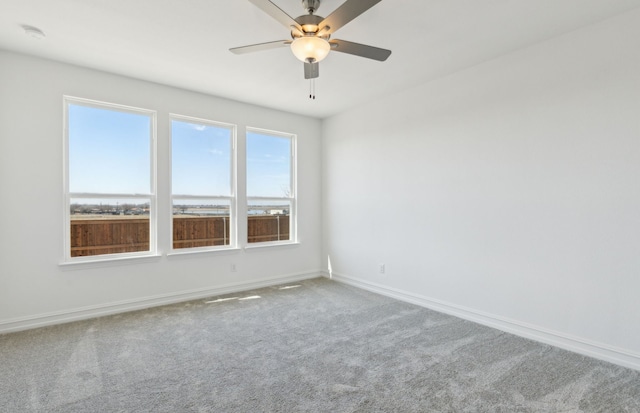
[[277, 13], [260, 46], [348, 11], [358, 49], [311, 70]]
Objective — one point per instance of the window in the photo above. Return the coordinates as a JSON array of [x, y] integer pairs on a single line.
[[110, 180], [203, 183], [271, 187]]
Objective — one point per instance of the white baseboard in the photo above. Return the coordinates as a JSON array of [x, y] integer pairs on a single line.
[[578, 345], [75, 314]]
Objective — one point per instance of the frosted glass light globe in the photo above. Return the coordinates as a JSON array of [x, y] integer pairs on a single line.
[[310, 47]]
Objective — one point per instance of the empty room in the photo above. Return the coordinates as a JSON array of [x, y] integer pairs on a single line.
[[320, 206]]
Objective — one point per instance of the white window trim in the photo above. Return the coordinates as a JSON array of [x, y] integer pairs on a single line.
[[232, 198], [292, 198], [152, 196]]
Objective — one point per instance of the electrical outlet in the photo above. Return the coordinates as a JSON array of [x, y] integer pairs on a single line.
[[381, 268], [233, 267]]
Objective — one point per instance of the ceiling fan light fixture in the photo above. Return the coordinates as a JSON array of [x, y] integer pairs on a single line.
[[312, 48], [309, 28]]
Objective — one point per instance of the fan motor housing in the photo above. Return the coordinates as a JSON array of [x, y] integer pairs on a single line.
[[309, 23]]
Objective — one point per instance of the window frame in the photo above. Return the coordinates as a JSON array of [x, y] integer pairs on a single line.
[[68, 195], [232, 198], [293, 184]]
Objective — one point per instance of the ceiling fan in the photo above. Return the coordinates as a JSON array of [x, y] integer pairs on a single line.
[[311, 34]]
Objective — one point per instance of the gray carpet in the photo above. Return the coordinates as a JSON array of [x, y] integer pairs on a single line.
[[318, 347]]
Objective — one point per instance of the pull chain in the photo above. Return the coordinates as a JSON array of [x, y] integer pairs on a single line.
[[312, 89]]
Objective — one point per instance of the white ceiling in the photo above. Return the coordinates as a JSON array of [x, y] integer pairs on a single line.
[[185, 43]]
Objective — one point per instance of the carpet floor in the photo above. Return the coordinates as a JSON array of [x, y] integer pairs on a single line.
[[315, 346]]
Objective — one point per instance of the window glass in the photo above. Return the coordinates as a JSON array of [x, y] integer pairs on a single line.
[[271, 197], [201, 158], [108, 226], [111, 194], [108, 151], [268, 221], [268, 165], [202, 183]]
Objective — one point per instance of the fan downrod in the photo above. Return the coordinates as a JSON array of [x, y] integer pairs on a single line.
[[311, 5]]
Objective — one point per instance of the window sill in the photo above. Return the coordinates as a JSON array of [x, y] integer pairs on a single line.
[[188, 251], [107, 262], [260, 245]]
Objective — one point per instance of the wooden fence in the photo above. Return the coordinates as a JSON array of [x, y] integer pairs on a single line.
[[108, 236], [263, 228], [116, 235], [190, 232]]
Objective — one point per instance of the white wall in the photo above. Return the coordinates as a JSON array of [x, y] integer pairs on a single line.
[[34, 289], [508, 193]]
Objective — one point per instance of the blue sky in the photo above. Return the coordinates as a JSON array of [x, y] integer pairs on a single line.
[[109, 153], [201, 159], [268, 165]]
